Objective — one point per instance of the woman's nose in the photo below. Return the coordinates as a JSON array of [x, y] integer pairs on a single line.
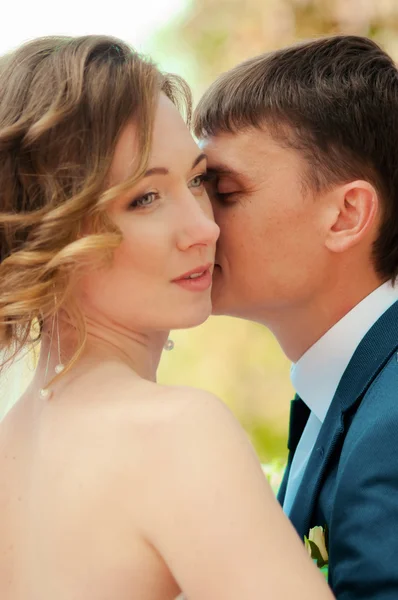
[[199, 227]]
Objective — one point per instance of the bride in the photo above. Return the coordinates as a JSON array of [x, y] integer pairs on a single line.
[[112, 486]]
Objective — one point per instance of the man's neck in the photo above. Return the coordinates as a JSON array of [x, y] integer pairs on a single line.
[[299, 328]]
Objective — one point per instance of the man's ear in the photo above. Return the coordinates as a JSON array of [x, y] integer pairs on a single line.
[[356, 206]]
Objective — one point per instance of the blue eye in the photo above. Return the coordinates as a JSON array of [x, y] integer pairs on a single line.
[[144, 201], [198, 181]]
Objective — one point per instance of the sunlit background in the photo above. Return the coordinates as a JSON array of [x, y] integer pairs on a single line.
[[237, 360]]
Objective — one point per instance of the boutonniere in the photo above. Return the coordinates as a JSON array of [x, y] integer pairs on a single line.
[[316, 544]]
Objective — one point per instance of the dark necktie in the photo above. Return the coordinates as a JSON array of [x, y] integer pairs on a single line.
[[299, 413]]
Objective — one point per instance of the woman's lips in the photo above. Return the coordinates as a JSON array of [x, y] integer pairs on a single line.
[[198, 283]]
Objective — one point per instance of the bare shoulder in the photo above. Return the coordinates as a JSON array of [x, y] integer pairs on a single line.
[[185, 422], [143, 401], [193, 428], [124, 403], [146, 424], [186, 403], [178, 409]]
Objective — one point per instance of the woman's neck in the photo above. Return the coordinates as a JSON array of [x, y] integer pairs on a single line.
[[104, 343]]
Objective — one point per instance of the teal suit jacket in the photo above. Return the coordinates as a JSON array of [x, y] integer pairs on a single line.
[[351, 480]]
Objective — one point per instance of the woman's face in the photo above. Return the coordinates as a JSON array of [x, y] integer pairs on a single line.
[[160, 277]]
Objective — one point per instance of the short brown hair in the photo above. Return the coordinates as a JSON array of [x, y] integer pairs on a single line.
[[63, 104], [334, 99]]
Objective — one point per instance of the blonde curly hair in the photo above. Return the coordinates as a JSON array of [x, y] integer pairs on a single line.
[[63, 104]]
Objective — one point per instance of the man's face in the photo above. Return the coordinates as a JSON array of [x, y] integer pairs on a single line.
[[271, 254]]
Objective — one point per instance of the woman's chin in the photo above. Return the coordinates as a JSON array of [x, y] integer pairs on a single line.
[[188, 319]]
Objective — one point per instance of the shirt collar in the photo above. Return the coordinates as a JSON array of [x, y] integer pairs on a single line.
[[317, 374]]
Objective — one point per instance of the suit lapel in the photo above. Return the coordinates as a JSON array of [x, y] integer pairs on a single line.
[[283, 486], [329, 436], [369, 359]]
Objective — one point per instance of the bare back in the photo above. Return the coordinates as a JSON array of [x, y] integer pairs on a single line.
[[70, 518], [115, 477]]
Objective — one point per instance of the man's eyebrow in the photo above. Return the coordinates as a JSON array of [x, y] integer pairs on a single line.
[[220, 169], [164, 171]]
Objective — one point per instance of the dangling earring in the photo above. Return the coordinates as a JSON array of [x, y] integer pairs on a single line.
[[46, 392], [60, 366], [169, 345]]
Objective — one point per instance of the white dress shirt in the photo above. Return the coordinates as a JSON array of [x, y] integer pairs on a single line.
[[317, 374]]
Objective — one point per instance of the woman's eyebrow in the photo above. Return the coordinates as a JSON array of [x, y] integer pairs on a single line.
[[164, 171]]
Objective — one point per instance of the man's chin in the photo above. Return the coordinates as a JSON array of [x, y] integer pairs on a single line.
[[216, 311], [223, 305], [219, 300]]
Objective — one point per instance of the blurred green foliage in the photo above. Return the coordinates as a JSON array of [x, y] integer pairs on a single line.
[[240, 361], [211, 36]]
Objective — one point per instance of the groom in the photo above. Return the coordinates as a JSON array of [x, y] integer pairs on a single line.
[[303, 150]]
